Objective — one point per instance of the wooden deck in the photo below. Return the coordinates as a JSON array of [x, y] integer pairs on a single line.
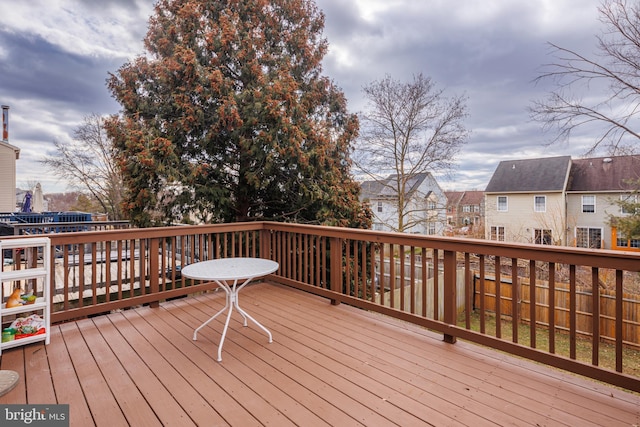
[[328, 366]]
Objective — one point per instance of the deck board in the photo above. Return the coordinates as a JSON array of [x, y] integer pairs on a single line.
[[38, 383], [328, 366], [65, 381], [436, 389], [221, 385], [334, 384], [333, 362], [257, 376], [99, 397], [179, 374]]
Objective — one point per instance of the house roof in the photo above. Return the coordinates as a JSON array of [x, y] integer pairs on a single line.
[[604, 174], [464, 197], [12, 147], [546, 174], [453, 197], [472, 198], [385, 188]]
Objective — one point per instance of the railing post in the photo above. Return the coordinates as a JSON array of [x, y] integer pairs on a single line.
[[154, 267], [265, 244], [335, 264], [450, 284]]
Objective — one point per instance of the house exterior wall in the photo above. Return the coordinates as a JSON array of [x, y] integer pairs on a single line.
[[469, 215], [566, 220], [605, 205], [426, 210], [465, 213], [580, 208], [384, 212], [520, 221], [434, 207], [7, 178]]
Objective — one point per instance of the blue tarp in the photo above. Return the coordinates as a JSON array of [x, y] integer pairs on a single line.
[[44, 217], [46, 222], [26, 203]]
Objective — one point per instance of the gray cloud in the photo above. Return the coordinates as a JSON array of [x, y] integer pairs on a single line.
[[55, 57], [490, 51]]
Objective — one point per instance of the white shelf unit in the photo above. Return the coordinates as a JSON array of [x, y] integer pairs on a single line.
[[41, 274]]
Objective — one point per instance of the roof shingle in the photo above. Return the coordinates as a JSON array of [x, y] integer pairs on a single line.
[[604, 174], [547, 174]]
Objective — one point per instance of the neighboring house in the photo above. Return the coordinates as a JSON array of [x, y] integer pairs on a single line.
[[425, 202], [560, 201], [453, 206], [525, 201], [465, 211], [595, 186], [8, 156]]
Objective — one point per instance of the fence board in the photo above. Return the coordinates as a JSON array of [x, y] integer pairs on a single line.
[[562, 297]]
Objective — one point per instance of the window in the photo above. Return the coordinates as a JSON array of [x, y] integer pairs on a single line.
[[431, 205], [378, 226], [543, 237], [589, 237], [432, 228], [628, 198], [497, 233], [540, 203], [466, 208], [379, 206], [623, 242], [588, 204], [502, 204]]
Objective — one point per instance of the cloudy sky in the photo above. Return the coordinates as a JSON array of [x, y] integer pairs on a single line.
[[55, 56]]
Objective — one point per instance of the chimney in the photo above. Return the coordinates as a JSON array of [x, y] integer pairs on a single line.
[[5, 123]]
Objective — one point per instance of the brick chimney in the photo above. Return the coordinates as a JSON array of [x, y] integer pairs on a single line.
[[5, 123]]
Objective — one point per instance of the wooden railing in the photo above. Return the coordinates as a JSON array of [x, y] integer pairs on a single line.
[[425, 280]]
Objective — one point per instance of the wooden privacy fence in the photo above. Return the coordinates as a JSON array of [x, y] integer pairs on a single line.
[[561, 301]]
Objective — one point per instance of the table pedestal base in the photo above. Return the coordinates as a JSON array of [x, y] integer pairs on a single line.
[[231, 301]]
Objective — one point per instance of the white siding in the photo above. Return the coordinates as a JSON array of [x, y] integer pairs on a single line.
[[420, 217], [7, 178], [605, 206], [520, 220]]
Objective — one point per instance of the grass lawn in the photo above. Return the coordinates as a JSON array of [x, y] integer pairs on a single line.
[[606, 354]]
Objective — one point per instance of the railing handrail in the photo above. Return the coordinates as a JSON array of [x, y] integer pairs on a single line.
[[602, 258]]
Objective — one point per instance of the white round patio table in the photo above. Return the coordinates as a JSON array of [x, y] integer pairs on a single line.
[[231, 274]]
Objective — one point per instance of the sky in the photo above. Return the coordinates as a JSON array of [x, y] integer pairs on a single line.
[[55, 57]]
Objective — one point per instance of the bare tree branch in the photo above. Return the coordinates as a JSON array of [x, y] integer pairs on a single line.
[[408, 129], [610, 82], [88, 163]]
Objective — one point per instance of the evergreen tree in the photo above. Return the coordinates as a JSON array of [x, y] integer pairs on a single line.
[[228, 118]]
